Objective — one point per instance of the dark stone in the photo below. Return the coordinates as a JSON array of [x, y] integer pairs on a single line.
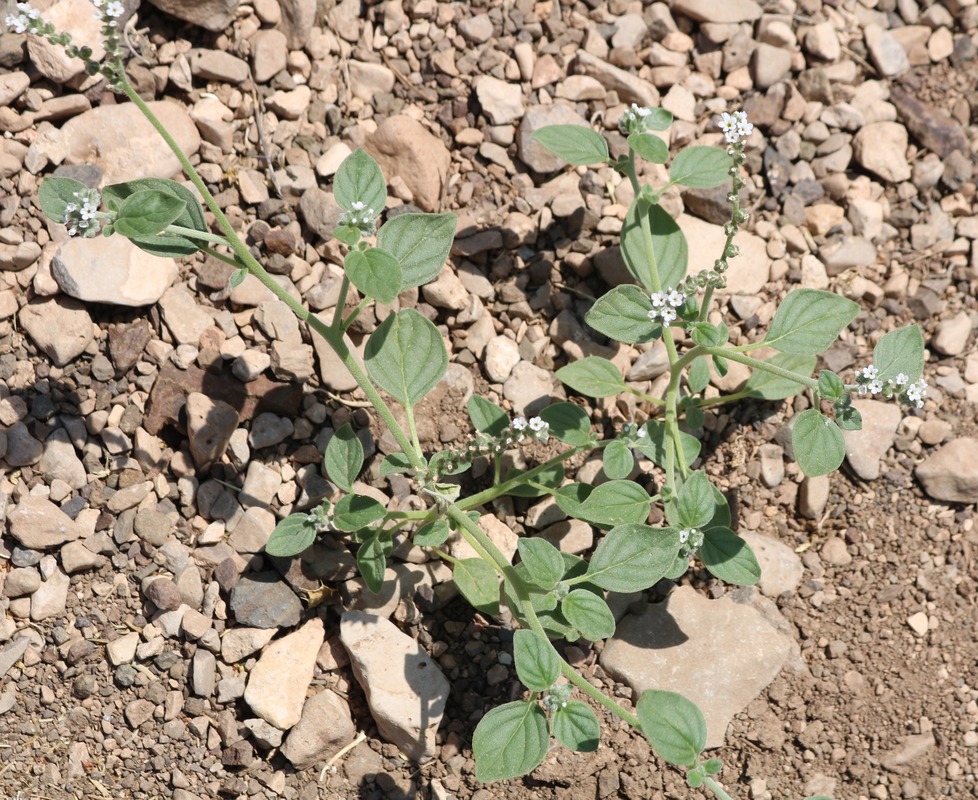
[[711, 204], [78, 650], [89, 174], [239, 754], [226, 575], [930, 126], [262, 600], [125, 676], [163, 593], [777, 169], [84, 686], [127, 343]]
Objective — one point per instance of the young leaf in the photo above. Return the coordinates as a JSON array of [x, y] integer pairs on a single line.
[[670, 251], [421, 244], [552, 477], [344, 458], [673, 725], [900, 351], [592, 376], [237, 277], [623, 315], [55, 194], [695, 505], [347, 234], [356, 511], [169, 245], [544, 564], [537, 663], [576, 726], [809, 321], [658, 119], [729, 557], [611, 503], [700, 167], [479, 584], [372, 563], [698, 376], [374, 272], [568, 423], [359, 180], [395, 464], [406, 356], [650, 147], [486, 416], [830, 386], [292, 535], [818, 443], [633, 557], [509, 741], [653, 444], [147, 212], [577, 145], [710, 335], [589, 614], [847, 418], [431, 534], [618, 461], [768, 386]]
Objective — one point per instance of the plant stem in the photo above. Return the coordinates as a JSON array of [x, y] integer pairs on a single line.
[[718, 790], [221, 257], [337, 322], [193, 233], [412, 427], [645, 396], [726, 352]]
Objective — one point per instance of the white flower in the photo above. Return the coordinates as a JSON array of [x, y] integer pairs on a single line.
[[658, 299], [735, 126], [519, 424], [357, 205], [863, 389], [537, 424], [641, 433], [668, 315], [875, 386], [115, 9], [684, 535], [901, 379], [869, 373], [676, 299]]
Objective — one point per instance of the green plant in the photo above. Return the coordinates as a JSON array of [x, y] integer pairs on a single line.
[[553, 595]]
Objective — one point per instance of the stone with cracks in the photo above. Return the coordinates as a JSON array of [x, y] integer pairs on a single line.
[[277, 684], [60, 326], [405, 689], [325, 728], [951, 473], [403, 147], [717, 653], [38, 524]]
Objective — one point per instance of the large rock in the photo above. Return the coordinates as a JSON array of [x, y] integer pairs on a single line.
[[951, 474], [324, 729], [298, 17], [501, 101], [865, 448], [210, 424], [405, 689], [121, 141], [717, 653], [630, 88], [748, 271], [711, 11], [38, 524], [61, 462], [111, 269], [186, 320], [214, 15], [277, 684], [403, 147], [881, 147], [50, 59], [535, 155], [60, 326]]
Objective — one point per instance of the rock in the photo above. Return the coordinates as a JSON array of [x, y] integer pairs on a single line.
[[186, 320], [865, 448], [951, 473], [720, 654], [769, 65], [76, 557], [269, 429], [918, 623], [60, 462], [123, 649], [528, 388], [49, 58], [139, 711], [813, 496], [933, 128], [885, 51], [120, 141], [952, 334], [21, 581], [405, 689], [502, 354], [772, 465], [368, 80], [534, 155], [330, 161], [570, 536], [163, 593], [851, 251], [217, 65], [12, 652], [50, 598], [210, 424], [822, 42], [60, 326], [277, 684], [881, 147], [12, 86], [324, 728], [835, 552], [262, 600], [239, 642], [781, 568], [446, 291], [202, 668], [213, 15], [729, 11], [38, 524], [477, 29], [290, 104], [152, 527], [501, 101], [403, 147], [748, 271], [22, 449], [297, 20], [630, 88], [269, 54]]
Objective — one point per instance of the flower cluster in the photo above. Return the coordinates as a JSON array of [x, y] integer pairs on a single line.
[[81, 217], [28, 19], [869, 382], [634, 120], [664, 305], [359, 217], [112, 9], [690, 540], [535, 427], [735, 126]]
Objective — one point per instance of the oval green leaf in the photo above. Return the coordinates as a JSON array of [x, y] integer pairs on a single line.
[[537, 663], [147, 213], [729, 557], [344, 458], [509, 741], [431, 534], [486, 416], [650, 147], [291, 536], [618, 461], [673, 725], [669, 255], [623, 315], [544, 564], [611, 503], [359, 180], [589, 614], [568, 423], [818, 443], [809, 321], [406, 356], [633, 557], [420, 243], [374, 272], [356, 511], [696, 505], [700, 167], [899, 351], [372, 563], [54, 195], [576, 726], [168, 245], [479, 584], [592, 376], [575, 144], [767, 386]]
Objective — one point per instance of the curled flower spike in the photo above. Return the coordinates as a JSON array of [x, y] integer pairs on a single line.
[[81, 217], [735, 126], [360, 217], [869, 382]]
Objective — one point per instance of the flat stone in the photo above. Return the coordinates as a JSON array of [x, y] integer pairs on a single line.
[[277, 684], [213, 15], [951, 473], [500, 100], [49, 58], [324, 728], [21, 448], [951, 336], [50, 598], [269, 54], [535, 155], [217, 65], [630, 88], [152, 526], [781, 569], [885, 51], [262, 600], [210, 424], [60, 326], [528, 388], [865, 448], [933, 128], [367, 80], [76, 557], [38, 524], [748, 271], [717, 653], [61, 462], [405, 689], [727, 12], [881, 147], [123, 649], [404, 147], [163, 593], [202, 668], [12, 652], [239, 642], [186, 320]]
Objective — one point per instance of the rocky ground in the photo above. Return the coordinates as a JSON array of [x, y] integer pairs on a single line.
[[156, 423]]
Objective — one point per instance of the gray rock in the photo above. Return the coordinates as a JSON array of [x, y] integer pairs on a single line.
[[269, 429], [951, 473], [324, 728], [262, 600], [61, 462], [38, 524], [76, 557], [729, 11], [21, 581], [202, 668], [881, 147], [152, 527], [163, 593], [865, 448], [298, 17], [217, 65], [213, 15], [886, 53], [11, 653], [210, 424], [22, 449], [238, 642], [50, 598], [781, 568], [813, 496], [60, 326], [534, 155], [717, 653]]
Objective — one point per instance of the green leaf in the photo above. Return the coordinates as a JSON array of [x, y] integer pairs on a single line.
[[577, 145], [237, 277], [670, 251], [374, 272], [395, 464], [589, 614], [618, 461], [576, 726], [818, 443], [479, 584], [169, 245], [695, 505], [729, 557], [768, 386], [406, 356], [509, 741], [709, 335], [431, 534], [650, 147], [830, 386], [611, 503], [54, 195], [592, 376], [347, 234], [359, 180], [653, 444], [700, 167], [633, 557], [292, 535], [356, 511], [344, 458], [544, 564], [372, 563], [658, 119], [848, 418], [900, 351], [420, 243], [486, 416], [537, 664], [147, 213], [809, 321], [551, 478], [698, 376], [673, 725], [623, 315], [568, 423]]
